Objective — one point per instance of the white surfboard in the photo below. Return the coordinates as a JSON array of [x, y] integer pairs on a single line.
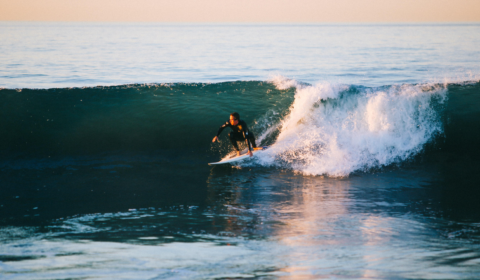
[[243, 155]]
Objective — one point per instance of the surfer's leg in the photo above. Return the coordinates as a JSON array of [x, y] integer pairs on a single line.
[[233, 140]]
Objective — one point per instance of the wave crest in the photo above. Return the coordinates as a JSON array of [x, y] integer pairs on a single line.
[[337, 129]]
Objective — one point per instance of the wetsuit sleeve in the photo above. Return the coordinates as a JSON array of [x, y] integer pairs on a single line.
[[222, 128], [245, 134], [244, 129]]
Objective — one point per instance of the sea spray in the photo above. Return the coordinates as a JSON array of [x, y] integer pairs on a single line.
[[337, 129]]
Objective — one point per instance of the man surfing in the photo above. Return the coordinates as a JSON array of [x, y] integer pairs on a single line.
[[239, 133]]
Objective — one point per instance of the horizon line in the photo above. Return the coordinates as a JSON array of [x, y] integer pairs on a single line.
[[252, 23]]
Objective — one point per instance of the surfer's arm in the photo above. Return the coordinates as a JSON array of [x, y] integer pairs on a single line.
[[222, 128], [247, 141], [220, 131], [245, 135]]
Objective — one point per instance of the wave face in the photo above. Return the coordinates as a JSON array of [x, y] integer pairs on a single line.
[[134, 118], [315, 129]]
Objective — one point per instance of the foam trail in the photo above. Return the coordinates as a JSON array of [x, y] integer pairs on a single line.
[[337, 129]]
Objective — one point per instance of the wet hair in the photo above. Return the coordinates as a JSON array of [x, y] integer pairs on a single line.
[[235, 115]]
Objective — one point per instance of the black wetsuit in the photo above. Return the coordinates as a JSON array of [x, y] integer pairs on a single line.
[[239, 133]]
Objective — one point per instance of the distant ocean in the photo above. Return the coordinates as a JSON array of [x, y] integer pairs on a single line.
[[372, 170]]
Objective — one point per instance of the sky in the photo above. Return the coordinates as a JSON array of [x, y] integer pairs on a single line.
[[274, 11]]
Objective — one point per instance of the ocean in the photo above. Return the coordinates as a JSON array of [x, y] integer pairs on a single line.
[[372, 170]]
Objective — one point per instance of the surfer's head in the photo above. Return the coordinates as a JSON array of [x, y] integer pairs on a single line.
[[234, 117]]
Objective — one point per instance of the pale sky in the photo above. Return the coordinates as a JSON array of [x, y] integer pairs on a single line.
[[241, 10]]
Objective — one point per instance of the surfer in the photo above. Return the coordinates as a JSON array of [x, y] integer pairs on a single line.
[[239, 132]]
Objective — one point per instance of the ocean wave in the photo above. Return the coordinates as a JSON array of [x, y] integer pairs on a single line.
[[323, 128]]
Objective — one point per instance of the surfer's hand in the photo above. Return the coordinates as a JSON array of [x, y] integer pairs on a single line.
[[215, 139], [238, 153], [250, 153]]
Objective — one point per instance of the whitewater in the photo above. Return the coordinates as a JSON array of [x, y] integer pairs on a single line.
[[337, 129], [371, 171]]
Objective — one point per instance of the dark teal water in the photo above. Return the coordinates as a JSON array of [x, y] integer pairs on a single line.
[[113, 182]]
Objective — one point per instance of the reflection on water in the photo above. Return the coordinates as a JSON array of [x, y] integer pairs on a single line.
[[261, 223]]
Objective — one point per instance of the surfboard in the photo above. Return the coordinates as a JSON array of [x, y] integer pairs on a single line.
[[243, 155]]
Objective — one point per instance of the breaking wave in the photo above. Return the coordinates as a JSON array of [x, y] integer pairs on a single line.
[[320, 129]]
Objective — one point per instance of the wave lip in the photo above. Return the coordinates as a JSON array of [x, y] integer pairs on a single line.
[[336, 129]]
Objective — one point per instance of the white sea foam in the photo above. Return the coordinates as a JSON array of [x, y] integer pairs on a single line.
[[282, 82], [336, 129]]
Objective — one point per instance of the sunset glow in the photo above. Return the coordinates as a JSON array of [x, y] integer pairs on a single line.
[[241, 11]]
